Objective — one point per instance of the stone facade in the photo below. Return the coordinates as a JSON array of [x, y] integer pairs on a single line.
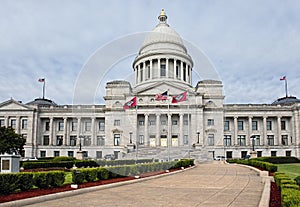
[[200, 126]]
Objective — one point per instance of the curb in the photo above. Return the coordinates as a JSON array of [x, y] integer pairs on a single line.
[[39, 199]]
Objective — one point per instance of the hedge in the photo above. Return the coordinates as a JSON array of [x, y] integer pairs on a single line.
[[278, 160], [256, 163], [123, 162], [62, 164]]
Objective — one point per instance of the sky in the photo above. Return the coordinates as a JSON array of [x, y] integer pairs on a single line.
[[251, 43]]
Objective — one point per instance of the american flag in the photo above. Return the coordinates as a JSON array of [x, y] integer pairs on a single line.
[[161, 96], [41, 80]]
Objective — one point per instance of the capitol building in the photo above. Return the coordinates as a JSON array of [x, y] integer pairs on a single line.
[[161, 116]]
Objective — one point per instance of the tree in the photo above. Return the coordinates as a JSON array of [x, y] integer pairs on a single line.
[[10, 142]]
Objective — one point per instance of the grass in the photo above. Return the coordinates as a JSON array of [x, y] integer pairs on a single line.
[[292, 169], [68, 178]]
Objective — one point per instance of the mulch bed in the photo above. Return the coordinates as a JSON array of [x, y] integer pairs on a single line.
[[275, 196], [40, 192]]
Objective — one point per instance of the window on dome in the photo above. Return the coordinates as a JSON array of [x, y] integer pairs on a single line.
[[163, 70]]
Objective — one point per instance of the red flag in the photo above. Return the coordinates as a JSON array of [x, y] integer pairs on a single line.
[[179, 98], [161, 96], [41, 80], [130, 104], [283, 78]]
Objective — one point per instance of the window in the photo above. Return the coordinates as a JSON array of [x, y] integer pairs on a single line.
[[99, 154], [87, 141], [240, 125], [284, 139], [60, 126], [141, 123], [24, 124], [229, 154], [100, 141], [174, 122], [70, 153], [211, 139], [162, 70], [254, 125], [241, 140], [227, 140], [288, 153], [74, 125], [270, 139], [117, 139], [59, 140], [87, 126], [269, 125], [226, 125], [2, 124], [73, 140], [283, 126], [243, 154], [185, 122], [259, 153], [43, 153], [101, 126], [185, 140], [117, 122], [152, 123], [56, 153], [47, 126], [13, 123], [273, 153], [163, 122], [210, 122], [257, 140], [46, 140], [141, 139]]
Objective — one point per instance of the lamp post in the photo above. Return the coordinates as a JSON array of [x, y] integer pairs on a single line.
[[80, 145], [130, 137], [253, 138], [198, 134]]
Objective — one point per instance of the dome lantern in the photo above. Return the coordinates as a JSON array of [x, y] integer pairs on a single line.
[[162, 17]]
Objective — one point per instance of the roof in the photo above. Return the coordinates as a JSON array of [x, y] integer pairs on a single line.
[[289, 100], [42, 102]]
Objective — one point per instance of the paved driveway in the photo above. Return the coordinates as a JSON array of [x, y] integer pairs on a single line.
[[212, 184]]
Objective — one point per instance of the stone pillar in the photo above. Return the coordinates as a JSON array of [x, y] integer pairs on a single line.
[[249, 142], [277, 140], [94, 137], [157, 129], [146, 134], [181, 70], [144, 71], [186, 73], [151, 68], [65, 131], [181, 135], [6, 120], [18, 128], [167, 67], [174, 68], [158, 68], [235, 123], [264, 138], [51, 131]]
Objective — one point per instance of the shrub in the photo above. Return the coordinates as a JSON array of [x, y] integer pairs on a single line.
[[63, 158], [42, 179], [290, 197], [8, 183], [85, 163], [78, 176], [279, 160], [57, 178], [25, 181], [90, 174], [297, 179], [102, 174]]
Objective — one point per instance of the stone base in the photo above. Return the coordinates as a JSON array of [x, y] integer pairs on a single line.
[[79, 155], [198, 146], [130, 147], [253, 154]]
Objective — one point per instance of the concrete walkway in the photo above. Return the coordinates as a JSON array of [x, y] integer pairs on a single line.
[[210, 184]]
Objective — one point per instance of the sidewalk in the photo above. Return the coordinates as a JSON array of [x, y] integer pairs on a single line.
[[210, 184]]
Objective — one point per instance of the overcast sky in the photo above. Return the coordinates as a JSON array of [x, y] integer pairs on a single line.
[[251, 43]]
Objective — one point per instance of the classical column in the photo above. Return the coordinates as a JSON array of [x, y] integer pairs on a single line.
[[6, 120], [18, 125], [136, 74], [186, 73], [278, 140], [65, 131], [157, 129], [167, 67], [174, 68], [51, 131], [249, 142], [181, 135], [296, 125], [190, 72], [78, 131], [140, 73], [151, 68], [146, 130], [144, 71], [264, 138], [93, 138], [158, 68], [235, 123], [181, 70]]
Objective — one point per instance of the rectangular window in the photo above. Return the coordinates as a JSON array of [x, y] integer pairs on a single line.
[[162, 70], [211, 140], [283, 126], [241, 140], [87, 126], [87, 141], [152, 123], [13, 123], [240, 125], [101, 126], [24, 124], [226, 125], [141, 139], [141, 123], [254, 126], [210, 122], [73, 140], [185, 139], [117, 139], [60, 126], [284, 139], [174, 122], [227, 140], [269, 125], [229, 154], [273, 153], [257, 140], [59, 140], [43, 153], [70, 153], [100, 141], [46, 140], [74, 125], [185, 122], [99, 154], [259, 153], [2, 124], [288, 153], [56, 153], [117, 122], [243, 154], [47, 126], [163, 122], [270, 139]]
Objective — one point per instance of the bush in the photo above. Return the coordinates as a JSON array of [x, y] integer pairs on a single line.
[[102, 174], [78, 176], [297, 180], [85, 163], [8, 183], [25, 181], [42, 179], [290, 197], [57, 178], [90, 174], [63, 158], [279, 160]]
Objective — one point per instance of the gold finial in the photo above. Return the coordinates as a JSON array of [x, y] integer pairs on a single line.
[[162, 17], [162, 13]]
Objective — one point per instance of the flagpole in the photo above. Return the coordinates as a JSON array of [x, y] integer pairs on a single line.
[[189, 144], [136, 136], [286, 92], [169, 127], [44, 88]]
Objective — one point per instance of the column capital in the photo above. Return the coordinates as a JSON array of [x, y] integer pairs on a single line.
[[146, 114], [250, 117], [157, 114], [181, 114]]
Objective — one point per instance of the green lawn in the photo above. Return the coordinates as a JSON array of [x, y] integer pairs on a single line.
[[292, 170]]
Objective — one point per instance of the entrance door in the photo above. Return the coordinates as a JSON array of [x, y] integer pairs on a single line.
[[175, 142], [152, 142], [163, 141]]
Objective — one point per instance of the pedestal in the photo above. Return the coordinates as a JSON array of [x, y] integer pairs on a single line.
[[79, 155], [253, 154], [130, 147], [198, 146]]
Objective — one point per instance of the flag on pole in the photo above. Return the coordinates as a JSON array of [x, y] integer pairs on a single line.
[[179, 98], [41, 80], [161, 96], [283, 78], [130, 104]]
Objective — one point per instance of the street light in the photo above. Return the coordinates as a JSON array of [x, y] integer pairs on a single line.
[[80, 137], [198, 141], [253, 138]]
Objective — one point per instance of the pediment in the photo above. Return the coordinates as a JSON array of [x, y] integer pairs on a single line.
[[13, 105]]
